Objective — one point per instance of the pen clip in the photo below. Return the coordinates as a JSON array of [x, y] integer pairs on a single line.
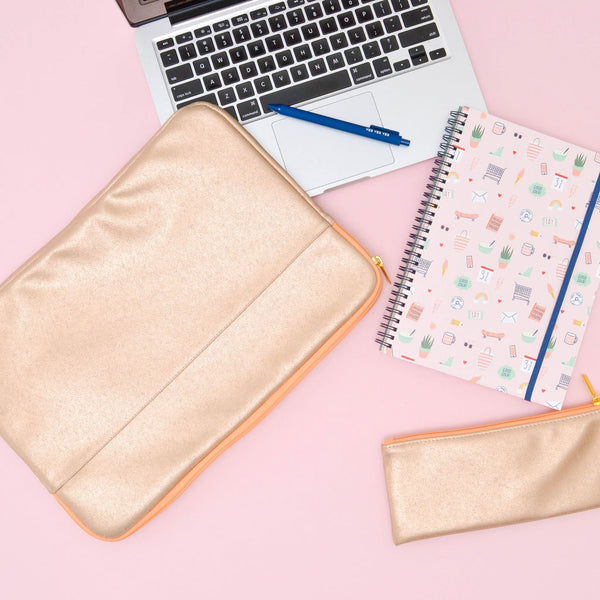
[[384, 130]]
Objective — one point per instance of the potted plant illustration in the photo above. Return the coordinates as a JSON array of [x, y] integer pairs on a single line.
[[505, 257], [476, 135], [426, 344], [550, 347], [578, 164]]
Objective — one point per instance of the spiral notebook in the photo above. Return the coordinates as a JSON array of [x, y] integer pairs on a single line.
[[499, 277]]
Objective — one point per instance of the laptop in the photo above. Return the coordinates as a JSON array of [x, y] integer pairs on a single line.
[[397, 64]]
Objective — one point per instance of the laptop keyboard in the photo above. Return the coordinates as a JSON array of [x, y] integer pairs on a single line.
[[297, 50]]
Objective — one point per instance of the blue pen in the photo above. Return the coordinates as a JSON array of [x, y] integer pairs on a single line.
[[372, 132]]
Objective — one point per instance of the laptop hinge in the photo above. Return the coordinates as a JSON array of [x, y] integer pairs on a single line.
[[182, 10]]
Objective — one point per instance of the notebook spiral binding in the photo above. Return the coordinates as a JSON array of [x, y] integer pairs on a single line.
[[423, 221]]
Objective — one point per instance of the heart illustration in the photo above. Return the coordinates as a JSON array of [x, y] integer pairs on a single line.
[[543, 272], [429, 291], [499, 300], [572, 208], [441, 244], [514, 151], [562, 311], [470, 179], [499, 195], [464, 362], [543, 390]]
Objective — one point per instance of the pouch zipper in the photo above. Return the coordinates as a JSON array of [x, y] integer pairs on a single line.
[[567, 412], [379, 263]]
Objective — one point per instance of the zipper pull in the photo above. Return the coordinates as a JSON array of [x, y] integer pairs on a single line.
[[379, 262], [590, 387]]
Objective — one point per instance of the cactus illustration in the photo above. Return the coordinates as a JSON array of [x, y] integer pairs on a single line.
[[505, 257], [578, 164], [476, 135], [426, 344], [550, 347]]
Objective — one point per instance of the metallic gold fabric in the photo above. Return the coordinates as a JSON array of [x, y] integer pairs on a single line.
[[165, 313], [463, 482]]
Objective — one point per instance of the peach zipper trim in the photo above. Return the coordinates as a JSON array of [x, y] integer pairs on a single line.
[[567, 412], [259, 413]]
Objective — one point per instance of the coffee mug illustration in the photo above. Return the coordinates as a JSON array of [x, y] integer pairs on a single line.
[[570, 338], [527, 249], [499, 128]]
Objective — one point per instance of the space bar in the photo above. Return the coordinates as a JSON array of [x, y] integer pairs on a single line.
[[307, 91]]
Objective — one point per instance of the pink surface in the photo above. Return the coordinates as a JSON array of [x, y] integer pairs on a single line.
[[298, 507]]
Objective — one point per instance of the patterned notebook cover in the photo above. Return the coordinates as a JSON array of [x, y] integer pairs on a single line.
[[498, 282]]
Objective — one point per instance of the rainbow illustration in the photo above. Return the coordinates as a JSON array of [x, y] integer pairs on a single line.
[[523, 386], [481, 298], [555, 204], [452, 175]]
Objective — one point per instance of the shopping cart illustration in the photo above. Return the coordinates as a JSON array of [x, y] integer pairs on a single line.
[[522, 292], [563, 382], [422, 266], [494, 173]]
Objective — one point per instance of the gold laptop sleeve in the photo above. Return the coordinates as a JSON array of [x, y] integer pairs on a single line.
[[176, 309], [511, 472]]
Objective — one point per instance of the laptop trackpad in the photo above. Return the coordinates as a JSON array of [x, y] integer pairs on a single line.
[[316, 156]]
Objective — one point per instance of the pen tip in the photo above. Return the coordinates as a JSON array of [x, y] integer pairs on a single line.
[[274, 107]]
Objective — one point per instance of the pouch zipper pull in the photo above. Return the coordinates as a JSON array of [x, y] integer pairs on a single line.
[[379, 262], [590, 387]]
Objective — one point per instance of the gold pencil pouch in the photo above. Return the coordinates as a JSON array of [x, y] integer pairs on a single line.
[[480, 477], [168, 318]]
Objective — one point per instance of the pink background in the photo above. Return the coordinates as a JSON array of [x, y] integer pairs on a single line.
[[298, 507]]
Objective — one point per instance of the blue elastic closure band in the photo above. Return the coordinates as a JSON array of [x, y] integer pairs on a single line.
[[563, 289]]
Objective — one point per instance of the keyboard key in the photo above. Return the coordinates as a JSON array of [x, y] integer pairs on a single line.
[[230, 76], [182, 38], [331, 6], [313, 11], [203, 31], [256, 48], [362, 73], [186, 90], [313, 88], [417, 16], [221, 25], [419, 60], [258, 13], [310, 31], [241, 35], [295, 17], [212, 81], [328, 26], [439, 53], [338, 41], [259, 28], [266, 64], [280, 79], [382, 66], [416, 51], [277, 23], [205, 46], [335, 61], [392, 24], [374, 29], [263, 84], [202, 66], [389, 44], [364, 14], [276, 8], [223, 40], [248, 110], [244, 90], [226, 96], [350, 3], [238, 55], [169, 58], [284, 59], [220, 60], [181, 73], [356, 36], [248, 70], [320, 47], [294, 3], [302, 52], [240, 19], [317, 67], [353, 55], [346, 20], [418, 35], [401, 65], [382, 8], [371, 49], [418, 2], [299, 72], [399, 5], [164, 44], [187, 52], [292, 37], [208, 98], [274, 42], [231, 111]]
